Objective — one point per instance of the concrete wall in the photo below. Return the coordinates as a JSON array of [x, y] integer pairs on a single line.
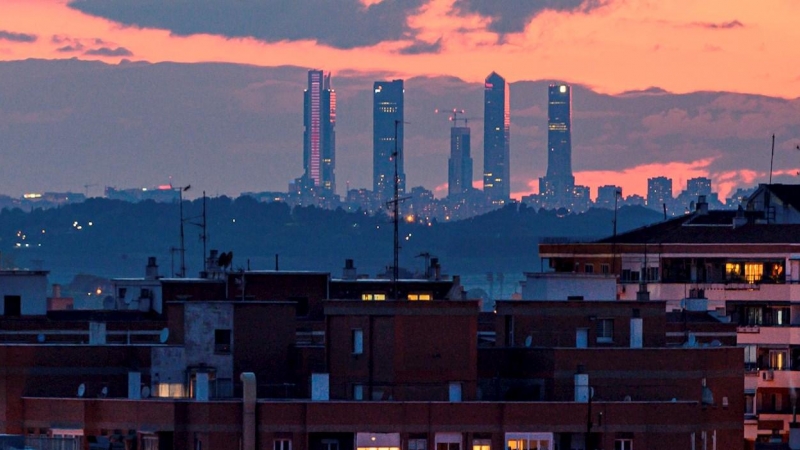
[[31, 286], [200, 321]]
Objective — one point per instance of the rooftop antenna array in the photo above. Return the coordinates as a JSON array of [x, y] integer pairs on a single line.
[[395, 204]]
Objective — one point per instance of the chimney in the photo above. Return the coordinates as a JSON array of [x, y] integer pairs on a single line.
[[739, 220], [349, 271], [436, 269], [582, 385], [636, 329], [702, 205], [248, 410], [56, 290], [151, 271]]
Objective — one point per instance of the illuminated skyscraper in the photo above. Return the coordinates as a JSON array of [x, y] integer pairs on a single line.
[[557, 185], [319, 137], [659, 192], [387, 123], [459, 179], [496, 139]]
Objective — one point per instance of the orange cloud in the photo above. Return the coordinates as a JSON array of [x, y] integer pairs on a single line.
[[617, 42]]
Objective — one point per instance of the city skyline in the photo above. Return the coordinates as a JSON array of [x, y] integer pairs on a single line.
[[119, 98]]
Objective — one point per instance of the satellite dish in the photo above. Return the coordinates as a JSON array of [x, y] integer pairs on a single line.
[[104, 392], [674, 399], [627, 398], [716, 343], [146, 392], [692, 340], [81, 390], [40, 338], [528, 341], [163, 336]]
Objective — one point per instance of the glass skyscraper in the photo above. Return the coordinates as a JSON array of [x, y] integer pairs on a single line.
[[459, 174], [496, 139], [557, 186], [319, 137], [387, 124]]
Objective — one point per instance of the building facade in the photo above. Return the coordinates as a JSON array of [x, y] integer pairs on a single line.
[[319, 136], [459, 166], [496, 139], [557, 185], [387, 138]]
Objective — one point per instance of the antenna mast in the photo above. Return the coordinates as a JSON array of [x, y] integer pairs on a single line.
[[771, 158], [395, 202]]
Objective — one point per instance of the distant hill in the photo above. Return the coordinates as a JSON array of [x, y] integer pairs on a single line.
[[113, 239]]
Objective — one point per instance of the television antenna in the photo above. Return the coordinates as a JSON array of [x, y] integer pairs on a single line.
[[202, 225], [395, 204]]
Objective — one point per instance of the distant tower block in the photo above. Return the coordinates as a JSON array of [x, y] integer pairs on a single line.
[[496, 139]]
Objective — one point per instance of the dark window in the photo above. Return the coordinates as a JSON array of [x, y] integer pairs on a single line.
[[302, 306], [12, 305], [282, 444], [605, 331], [222, 341]]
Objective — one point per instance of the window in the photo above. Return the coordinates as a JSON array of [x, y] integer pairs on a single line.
[[358, 341], [222, 341], [358, 392], [330, 444], [302, 306], [373, 296], [529, 441], [753, 272], [778, 359], [623, 444], [750, 357], [282, 444], [651, 274], [589, 268], [417, 444], [481, 444], [605, 331], [414, 296], [122, 292], [605, 269], [12, 305]]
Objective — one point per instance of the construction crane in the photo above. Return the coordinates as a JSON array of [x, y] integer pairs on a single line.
[[454, 115]]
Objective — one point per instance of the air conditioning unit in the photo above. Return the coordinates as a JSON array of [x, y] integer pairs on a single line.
[[768, 375]]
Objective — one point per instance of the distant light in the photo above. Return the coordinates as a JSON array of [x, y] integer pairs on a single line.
[[42, 231], [32, 195], [234, 220], [79, 227], [99, 291], [90, 224], [562, 89]]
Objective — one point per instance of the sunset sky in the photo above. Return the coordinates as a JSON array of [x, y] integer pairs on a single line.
[[609, 47]]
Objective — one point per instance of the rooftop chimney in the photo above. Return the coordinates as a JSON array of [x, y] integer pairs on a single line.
[[349, 271], [702, 205], [739, 220], [151, 271]]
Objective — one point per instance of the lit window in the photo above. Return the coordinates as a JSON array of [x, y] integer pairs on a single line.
[[373, 296], [481, 444], [753, 272], [170, 390], [420, 297]]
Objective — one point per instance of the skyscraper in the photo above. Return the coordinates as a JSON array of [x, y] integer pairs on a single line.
[[459, 179], [319, 137], [496, 139], [557, 185], [387, 125], [659, 193]]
